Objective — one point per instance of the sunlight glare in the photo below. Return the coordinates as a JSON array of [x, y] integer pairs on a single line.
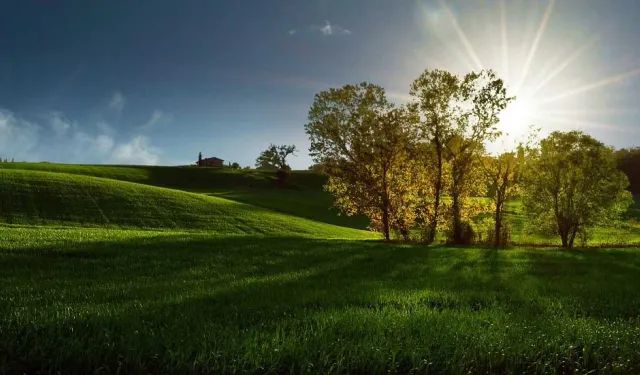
[[515, 119]]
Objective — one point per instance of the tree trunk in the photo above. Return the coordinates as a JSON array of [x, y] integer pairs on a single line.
[[433, 225], [385, 220], [498, 225], [572, 237], [457, 224], [564, 234]]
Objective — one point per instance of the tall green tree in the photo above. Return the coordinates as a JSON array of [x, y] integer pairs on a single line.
[[363, 143], [571, 184], [458, 115], [434, 91]]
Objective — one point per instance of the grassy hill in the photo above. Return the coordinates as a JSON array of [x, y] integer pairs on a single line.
[[303, 196], [183, 178], [46, 198]]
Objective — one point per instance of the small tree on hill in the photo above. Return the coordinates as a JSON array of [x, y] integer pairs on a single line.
[[235, 165], [199, 158], [571, 184], [276, 157]]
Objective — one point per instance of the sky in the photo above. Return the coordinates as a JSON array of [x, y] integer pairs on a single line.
[[157, 81]]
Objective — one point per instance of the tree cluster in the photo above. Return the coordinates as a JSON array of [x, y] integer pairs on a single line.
[[628, 161], [419, 171]]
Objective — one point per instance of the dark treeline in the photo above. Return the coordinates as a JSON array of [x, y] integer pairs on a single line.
[[421, 171], [628, 160]]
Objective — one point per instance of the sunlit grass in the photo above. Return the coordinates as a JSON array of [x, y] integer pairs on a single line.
[[45, 198], [136, 301]]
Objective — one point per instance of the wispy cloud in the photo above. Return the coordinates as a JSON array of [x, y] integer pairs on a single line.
[[137, 151], [156, 116], [329, 29], [18, 137], [59, 123], [292, 31], [117, 102], [80, 143]]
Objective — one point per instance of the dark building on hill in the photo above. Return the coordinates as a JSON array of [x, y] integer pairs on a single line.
[[210, 162]]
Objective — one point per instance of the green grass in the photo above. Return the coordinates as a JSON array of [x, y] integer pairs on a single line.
[[307, 203], [45, 198], [184, 178], [78, 300], [103, 272]]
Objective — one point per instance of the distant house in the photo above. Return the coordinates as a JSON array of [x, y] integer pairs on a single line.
[[210, 162]]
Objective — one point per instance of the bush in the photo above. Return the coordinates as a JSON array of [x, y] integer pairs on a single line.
[[468, 234]]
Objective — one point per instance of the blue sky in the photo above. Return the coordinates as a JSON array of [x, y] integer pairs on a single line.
[[157, 81]]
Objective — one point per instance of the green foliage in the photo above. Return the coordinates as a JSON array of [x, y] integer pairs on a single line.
[[458, 114], [628, 161], [571, 184], [363, 144], [275, 157], [502, 174], [235, 165]]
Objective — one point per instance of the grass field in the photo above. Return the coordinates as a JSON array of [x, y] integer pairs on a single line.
[[143, 301], [104, 275]]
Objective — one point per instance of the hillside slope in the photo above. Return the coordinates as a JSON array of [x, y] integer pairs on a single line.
[[33, 197], [184, 178], [303, 196]]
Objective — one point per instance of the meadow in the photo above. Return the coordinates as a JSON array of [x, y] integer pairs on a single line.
[[104, 275]]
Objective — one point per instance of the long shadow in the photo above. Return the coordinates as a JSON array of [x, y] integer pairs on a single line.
[[164, 299]]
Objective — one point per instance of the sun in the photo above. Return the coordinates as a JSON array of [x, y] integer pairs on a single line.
[[519, 115], [553, 72]]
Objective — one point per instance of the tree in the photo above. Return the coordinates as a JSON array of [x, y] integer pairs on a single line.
[[199, 158], [458, 115], [275, 157], [502, 175], [235, 165], [571, 184], [628, 161], [363, 143], [434, 91]]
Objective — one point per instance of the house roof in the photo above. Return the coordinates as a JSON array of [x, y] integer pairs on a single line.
[[213, 159]]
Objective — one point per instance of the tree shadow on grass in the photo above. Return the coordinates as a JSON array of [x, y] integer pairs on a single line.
[[153, 303]]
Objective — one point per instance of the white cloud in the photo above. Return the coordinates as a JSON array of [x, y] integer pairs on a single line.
[[18, 137], [103, 143], [59, 123], [331, 29], [292, 31], [117, 101], [24, 140], [137, 151]]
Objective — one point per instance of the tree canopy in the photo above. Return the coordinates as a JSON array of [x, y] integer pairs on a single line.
[[275, 157], [571, 184]]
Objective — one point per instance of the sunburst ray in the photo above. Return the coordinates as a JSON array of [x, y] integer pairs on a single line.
[[503, 37], [576, 122], [536, 42], [592, 86], [565, 64], [461, 34]]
